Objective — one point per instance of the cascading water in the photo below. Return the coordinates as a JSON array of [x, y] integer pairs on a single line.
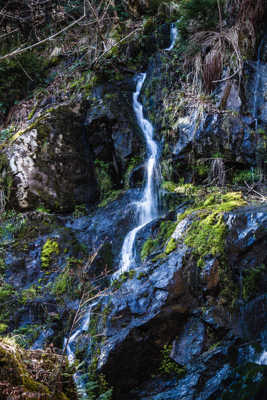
[[69, 344], [263, 358], [257, 83], [147, 210], [174, 34], [148, 207]]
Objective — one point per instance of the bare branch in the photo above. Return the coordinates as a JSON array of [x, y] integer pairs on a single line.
[[116, 44], [19, 51]]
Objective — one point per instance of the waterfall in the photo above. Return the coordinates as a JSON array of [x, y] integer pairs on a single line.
[[147, 210], [257, 82], [262, 359], [174, 34], [148, 207], [69, 344]]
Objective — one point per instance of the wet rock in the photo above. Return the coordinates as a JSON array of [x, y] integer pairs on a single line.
[[190, 342], [51, 164], [108, 224], [171, 300]]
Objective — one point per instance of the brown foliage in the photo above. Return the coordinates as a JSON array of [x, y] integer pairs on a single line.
[[228, 45], [26, 374]]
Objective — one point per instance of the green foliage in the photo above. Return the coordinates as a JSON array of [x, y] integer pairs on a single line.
[[123, 278], [80, 211], [98, 389], [169, 366], [134, 162], [109, 197], [50, 249], [6, 291], [3, 328], [251, 280], [62, 284], [169, 186], [248, 176], [188, 189], [14, 82], [26, 335], [104, 179], [6, 133], [29, 294], [204, 13], [12, 223], [43, 210]]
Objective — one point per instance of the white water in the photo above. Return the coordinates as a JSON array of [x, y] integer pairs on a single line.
[[148, 207], [70, 350], [147, 210], [257, 82], [262, 359], [174, 34]]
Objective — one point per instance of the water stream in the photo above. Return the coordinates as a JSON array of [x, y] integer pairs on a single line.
[[146, 209], [257, 83], [69, 344]]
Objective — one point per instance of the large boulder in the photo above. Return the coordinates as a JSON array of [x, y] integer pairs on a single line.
[[52, 164], [200, 314]]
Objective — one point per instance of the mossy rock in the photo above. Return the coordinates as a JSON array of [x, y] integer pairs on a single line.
[[41, 377]]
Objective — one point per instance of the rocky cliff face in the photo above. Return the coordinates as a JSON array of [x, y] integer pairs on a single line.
[[189, 320]]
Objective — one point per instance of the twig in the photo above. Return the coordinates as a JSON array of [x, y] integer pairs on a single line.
[[9, 33], [116, 44], [228, 77], [23, 69], [19, 51]]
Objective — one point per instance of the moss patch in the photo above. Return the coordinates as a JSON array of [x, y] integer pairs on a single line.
[[168, 366], [166, 229], [50, 249], [40, 377], [206, 234]]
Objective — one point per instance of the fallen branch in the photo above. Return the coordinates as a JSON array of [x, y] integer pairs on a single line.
[[115, 45]]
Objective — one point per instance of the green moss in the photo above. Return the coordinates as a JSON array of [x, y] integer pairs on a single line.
[[5, 292], [3, 328], [182, 188], [29, 294], [20, 369], [169, 366], [50, 248], [109, 197], [80, 211], [147, 248], [169, 186], [134, 162], [206, 234], [166, 229], [171, 246], [62, 284]]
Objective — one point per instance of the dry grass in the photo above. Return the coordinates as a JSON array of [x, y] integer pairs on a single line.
[[227, 46]]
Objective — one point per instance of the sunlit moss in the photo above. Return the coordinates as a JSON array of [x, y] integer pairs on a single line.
[[49, 249], [207, 232]]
